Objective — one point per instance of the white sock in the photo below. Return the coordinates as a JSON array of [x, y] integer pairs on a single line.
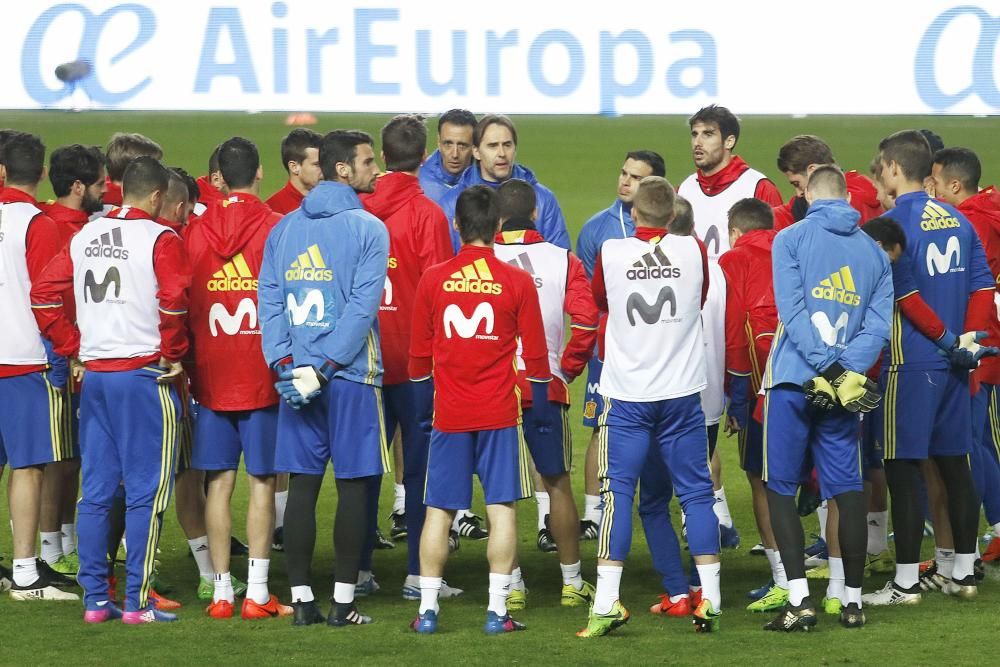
[[542, 498], [302, 594], [710, 587], [721, 508], [964, 566], [343, 593], [51, 547], [821, 515], [835, 589], [571, 575], [430, 588], [996, 529], [399, 499], [852, 596], [878, 532], [223, 588], [25, 571], [609, 579], [257, 580], [202, 556], [516, 581], [777, 568], [798, 590], [678, 598], [499, 590], [68, 531], [907, 575], [280, 501], [591, 511], [945, 559]]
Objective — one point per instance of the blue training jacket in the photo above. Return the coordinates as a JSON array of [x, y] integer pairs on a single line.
[[614, 222], [833, 289], [550, 223], [435, 180], [321, 284]]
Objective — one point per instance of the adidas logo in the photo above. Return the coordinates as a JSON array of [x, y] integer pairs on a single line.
[[475, 278], [108, 245], [234, 276], [838, 287], [936, 217], [523, 262], [309, 266], [654, 264]]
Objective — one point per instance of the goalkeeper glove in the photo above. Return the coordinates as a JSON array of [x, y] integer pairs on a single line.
[[819, 394], [739, 399], [854, 390], [300, 385], [964, 351]]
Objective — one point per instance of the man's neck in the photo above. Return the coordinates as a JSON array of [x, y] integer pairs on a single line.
[[145, 205], [483, 175], [297, 184], [30, 190], [719, 167], [480, 244], [253, 191], [962, 196], [70, 202], [909, 187]]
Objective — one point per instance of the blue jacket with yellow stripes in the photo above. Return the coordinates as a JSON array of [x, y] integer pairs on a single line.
[[833, 289], [321, 284]]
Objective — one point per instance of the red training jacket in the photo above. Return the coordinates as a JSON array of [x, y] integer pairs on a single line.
[[712, 185], [285, 200], [983, 211], [864, 199]]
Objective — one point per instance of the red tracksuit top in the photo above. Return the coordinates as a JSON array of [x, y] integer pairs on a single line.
[[864, 199], [225, 246], [468, 315], [418, 239], [285, 200], [983, 211]]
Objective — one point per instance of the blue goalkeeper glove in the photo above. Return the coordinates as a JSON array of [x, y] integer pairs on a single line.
[[739, 399], [58, 372], [299, 386], [544, 412], [964, 351]]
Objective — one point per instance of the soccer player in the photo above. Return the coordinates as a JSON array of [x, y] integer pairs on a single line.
[[122, 148], [130, 334], [468, 316], [563, 291], [928, 406], [418, 239], [797, 159], [34, 424], [614, 222], [442, 170], [653, 287], [319, 291], [300, 158], [211, 186], [238, 405], [494, 151]]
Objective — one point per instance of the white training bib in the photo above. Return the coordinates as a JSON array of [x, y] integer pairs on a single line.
[[711, 222], [21, 343]]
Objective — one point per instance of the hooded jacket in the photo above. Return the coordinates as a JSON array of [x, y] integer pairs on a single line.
[[834, 294], [225, 246], [550, 221], [864, 199], [321, 284], [435, 180], [418, 239], [983, 211]]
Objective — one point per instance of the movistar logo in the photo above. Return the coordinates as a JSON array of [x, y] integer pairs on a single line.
[[455, 322], [232, 324], [301, 313], [234, 276], [475, 278], [309, 266], [108, 245], [944, 262], [839, 287], [97, 291], [654, 264], [831, 333], [650, 312], [936, 217]]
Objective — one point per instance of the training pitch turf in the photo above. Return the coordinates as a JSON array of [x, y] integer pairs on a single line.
[[578, 157]]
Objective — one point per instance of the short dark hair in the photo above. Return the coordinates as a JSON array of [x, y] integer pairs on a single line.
[[477, 214], [729, 124], [654, 200], [683, 222], [653, 159], [910, 150], [830, 178], [750, 213], [213, 160], [886, 231], [143, 176], [516, 198], [125, 147], [294, 145], [238, 162], [76, 162], [799, 152], [404, 142], [492, 119], [457, 117], [340, 146], [193, 193], [934, 140], [961, 164], [24, 158], [5, 135]]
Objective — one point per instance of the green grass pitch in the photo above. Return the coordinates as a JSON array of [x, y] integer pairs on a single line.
[[578, 157]]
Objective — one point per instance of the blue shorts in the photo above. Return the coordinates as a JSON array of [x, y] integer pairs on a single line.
[[792, 430], [751, 445], [34, 421], [344, 425], [187, 421], [926, 413], [499, 457], [593, 402], [221, 436], [552, 452]]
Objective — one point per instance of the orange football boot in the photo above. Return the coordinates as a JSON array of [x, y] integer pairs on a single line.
[[271, 609], [220, 609]]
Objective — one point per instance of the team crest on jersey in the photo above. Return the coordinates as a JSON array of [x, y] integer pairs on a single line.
[[590, 409], [475, 278], [310, 265], [839, 287], [936, 217], [653, 265], [108, 245], [234, 276]]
